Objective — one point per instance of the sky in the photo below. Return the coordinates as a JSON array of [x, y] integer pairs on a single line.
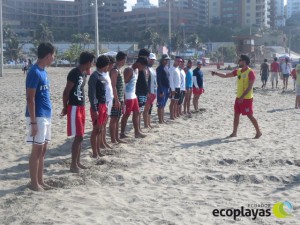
[[130, 3]]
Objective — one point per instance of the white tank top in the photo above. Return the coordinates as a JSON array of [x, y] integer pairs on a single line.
[[130, 86]]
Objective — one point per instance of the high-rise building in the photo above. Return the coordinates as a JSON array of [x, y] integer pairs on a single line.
[[63, 17], [239, 12], [144, 4], [293, 7], [277, 15]]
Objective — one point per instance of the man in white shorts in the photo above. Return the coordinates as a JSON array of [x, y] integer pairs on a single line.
[[275, 70], [38, 114]]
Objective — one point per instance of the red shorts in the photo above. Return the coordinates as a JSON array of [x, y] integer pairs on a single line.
[[198, 91], [131, 105], [245, 108], [150, 99], [102, 115], [75, 120]]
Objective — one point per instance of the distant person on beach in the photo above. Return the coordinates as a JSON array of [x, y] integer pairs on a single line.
[[297, 105], [152, 89], [264, 73], [109, 101], [244, 100], [38, 114], [130, 77], [25, 67], [188, 87], [286, 70], [142, 85], [74, 106], [182, 88], [117, 81], [275, 70], [174, 79], [198, 85], [163, 85], [294, 77], [97, 97]]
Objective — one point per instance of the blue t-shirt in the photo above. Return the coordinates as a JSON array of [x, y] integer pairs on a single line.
[[199, 76], [37, 78], [189, 79]]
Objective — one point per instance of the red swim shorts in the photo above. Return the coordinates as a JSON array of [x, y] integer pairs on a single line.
[[102, 115], [245, 108], [198, 91], [75, 120]]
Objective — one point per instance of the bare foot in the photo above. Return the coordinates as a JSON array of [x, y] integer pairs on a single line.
[[74, 170], [232, 135], [258, 135], [47, 187], [81, 166], [102, 146], [122, 136], [38, 188], [140, 135], [121, 141], [150, 126], [107, 146]]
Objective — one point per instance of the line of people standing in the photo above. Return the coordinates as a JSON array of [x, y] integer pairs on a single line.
[[112, 92]]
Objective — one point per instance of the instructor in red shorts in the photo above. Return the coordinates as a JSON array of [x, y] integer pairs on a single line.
[[244, 101]]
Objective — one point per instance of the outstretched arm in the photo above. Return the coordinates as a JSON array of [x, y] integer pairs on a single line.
[[222, 75]]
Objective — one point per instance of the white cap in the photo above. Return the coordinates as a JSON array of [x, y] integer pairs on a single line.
[[152, 56]]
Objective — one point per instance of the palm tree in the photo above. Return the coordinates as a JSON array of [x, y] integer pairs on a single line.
[[43, 33], [12, 49]]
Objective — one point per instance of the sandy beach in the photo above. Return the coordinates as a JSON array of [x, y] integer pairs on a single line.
[[178, 174]]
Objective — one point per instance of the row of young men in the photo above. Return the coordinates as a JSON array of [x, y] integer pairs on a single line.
[[113, 94], [108, 92]]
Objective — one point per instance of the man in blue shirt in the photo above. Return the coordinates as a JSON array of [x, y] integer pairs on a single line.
[[163, 87], [38, 114], [197, 85]]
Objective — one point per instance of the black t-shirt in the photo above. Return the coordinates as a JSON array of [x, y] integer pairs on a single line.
[[141, 84], [77, 95], [97, 89]]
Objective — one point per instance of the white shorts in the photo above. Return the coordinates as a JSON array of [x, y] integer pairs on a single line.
[[298, 90], [109, 106], [44, 131], [274, 76]]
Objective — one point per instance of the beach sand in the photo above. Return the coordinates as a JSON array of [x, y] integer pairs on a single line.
[[178, 174]]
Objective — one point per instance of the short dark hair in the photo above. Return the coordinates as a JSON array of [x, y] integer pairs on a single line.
[[142, 60], [111, 59], [144, 52], [245, 58], [189, 61], [102, 61], [120, 56], [265, 60], [44, 49], [275, 59], [86, 57]]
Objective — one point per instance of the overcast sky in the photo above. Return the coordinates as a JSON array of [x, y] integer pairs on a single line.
[[132, 2]]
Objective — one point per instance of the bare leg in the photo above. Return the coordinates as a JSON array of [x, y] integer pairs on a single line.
[[76, 147], [189, 102], [34, 161], [146, 115], [255, 124], [172, 110], [123, 125], [112, 129], [160, 115], [94, 140], [135, 120], [104, 136], [235, 124]]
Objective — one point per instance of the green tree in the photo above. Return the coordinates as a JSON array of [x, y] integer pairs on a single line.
[[73, 53], [194, 41], [177, 42], [229, 53], [43, 33], [150, 39], [12, 48]]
